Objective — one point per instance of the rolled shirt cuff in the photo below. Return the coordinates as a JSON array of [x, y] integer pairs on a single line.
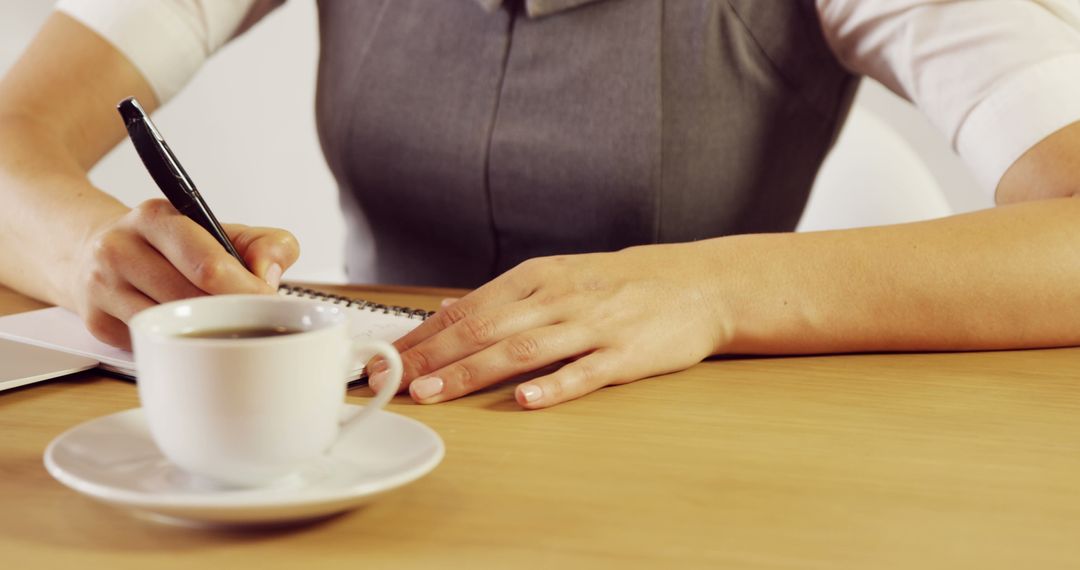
[[167, 41], [1024, 109]]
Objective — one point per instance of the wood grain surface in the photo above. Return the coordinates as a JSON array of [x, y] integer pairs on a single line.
[[967, 460]]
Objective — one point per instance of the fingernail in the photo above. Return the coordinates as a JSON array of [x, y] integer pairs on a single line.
[[273, 275], [448, 301], [426, 388], [376, 380], [531, 392]]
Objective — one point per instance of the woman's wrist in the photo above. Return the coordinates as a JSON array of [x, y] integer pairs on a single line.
[[63, 239], [755, 292], [711, 284]]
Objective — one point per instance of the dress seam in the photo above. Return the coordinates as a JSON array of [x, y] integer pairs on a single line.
[[495, 258], [659, 187]]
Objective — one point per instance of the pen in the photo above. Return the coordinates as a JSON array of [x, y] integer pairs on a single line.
[[166, 171]]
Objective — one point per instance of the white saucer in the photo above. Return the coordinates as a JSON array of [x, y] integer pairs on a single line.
[[112, 459]]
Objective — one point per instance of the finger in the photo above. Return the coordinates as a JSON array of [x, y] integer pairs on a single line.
[[125, 302], [516, 355], [473, 334], [108, 329], [122, 258], [152, 275], [193, 251], [267, 251], [448, 301], [116, 307], [582, 376], [514, 285]]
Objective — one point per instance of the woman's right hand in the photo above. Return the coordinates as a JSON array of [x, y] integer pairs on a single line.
[[154, 254]]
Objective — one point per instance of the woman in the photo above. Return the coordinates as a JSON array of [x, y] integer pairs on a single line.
[[584, 158]]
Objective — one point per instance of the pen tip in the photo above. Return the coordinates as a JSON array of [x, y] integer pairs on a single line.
[[130, 109]]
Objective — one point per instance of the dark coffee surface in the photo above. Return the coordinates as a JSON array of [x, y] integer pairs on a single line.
[[241, 332]]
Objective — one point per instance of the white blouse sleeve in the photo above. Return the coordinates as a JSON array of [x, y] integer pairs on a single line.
[[167, 40], [996, 76]]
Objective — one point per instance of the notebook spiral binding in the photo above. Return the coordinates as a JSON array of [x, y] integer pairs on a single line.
[[360, 304]]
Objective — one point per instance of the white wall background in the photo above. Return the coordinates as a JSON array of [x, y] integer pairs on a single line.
[[244, 129]]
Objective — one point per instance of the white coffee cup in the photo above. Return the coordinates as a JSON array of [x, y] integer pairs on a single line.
[[247, 411]]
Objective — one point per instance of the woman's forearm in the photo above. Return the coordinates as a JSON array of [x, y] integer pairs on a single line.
[[57, 119], [1001, 278], [50, 210]]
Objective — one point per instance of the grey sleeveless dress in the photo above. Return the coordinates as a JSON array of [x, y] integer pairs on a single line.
[[465, 141]]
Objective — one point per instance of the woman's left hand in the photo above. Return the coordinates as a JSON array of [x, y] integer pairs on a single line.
[[603, 319]]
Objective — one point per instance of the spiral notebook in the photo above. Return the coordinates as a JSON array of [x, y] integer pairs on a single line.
[[62, 330]]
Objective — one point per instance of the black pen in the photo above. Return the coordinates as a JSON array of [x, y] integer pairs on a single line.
[[166, 171]]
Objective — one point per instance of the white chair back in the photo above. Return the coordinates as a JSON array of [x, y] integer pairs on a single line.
[[872, 177]]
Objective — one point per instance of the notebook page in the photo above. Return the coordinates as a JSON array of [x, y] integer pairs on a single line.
[[60, 329]]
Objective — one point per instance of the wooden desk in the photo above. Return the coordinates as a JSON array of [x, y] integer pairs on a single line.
[[865, 461]]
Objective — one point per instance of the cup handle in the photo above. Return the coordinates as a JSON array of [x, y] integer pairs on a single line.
[[393, 380]]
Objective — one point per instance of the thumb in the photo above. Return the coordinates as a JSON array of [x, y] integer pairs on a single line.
[[268, 252]]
